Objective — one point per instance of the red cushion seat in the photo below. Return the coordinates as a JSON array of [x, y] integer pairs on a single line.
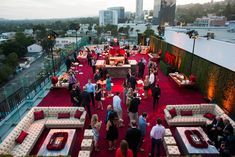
[[186, 113], [21, 137], [78, 114], [63, 115], [38, 115], [209, 116], [173, 112]]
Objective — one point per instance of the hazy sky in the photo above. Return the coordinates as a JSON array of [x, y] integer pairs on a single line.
[[40, 9]]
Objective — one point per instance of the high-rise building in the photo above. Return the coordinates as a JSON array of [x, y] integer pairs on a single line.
[[139, 10], [166, 13], [108, 17], [156, 11], [121, 13]]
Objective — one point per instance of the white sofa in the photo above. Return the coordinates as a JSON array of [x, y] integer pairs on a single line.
[[35, 128], [198, 111]]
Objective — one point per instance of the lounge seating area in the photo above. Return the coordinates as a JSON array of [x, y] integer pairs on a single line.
[[23, 137], [192, 114]]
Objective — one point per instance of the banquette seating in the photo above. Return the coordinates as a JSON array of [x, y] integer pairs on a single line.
[[53, 117], [193, 114]]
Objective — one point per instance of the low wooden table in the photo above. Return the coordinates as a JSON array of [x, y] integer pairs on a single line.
[[65, 151], [188, 148]]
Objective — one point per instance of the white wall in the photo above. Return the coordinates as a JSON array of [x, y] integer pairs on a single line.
[[218, 52]]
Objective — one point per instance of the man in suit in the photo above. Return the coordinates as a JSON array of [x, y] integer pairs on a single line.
[[156, 92], [85, 100], [132, 81], [141, 68], [133, 109], [133, 137], [215, 129], [228, 130]]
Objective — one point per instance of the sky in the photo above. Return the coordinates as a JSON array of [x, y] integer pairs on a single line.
[[44, 9]]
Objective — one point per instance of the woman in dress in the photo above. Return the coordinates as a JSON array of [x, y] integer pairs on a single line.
[[146, 86], [108, 85], [126, 86], [98, 94], [95, 125], [112, 131]]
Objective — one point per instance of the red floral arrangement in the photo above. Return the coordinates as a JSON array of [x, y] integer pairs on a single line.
[[57, 141], [54, 79], [199, 143], [169, 58]]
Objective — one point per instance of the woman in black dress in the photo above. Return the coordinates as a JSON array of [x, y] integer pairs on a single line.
[[98, 94], [112, 131]]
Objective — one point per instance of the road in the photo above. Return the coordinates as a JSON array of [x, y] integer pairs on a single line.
[[25, 77]]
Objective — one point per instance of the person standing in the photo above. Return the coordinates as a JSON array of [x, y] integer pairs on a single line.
[[141, 68], [93, 62], [112, 132], [98, 94], [72, 79], [108, 85], [117, 107], [132, 81], [152, 79], [124, 150], [75, 96], [142, 126], [133, 137], [91, 90], [157, 133], [156, 92], [68, 63], [95, 125], [89, 56], [133, 109], [97, 75], [85, 100], [146, 86], [98, 51]]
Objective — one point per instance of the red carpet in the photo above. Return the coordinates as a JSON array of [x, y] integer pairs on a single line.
[[170, 94]]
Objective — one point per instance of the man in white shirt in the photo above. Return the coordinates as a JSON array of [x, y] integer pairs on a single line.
[[157, 133], [98, 51], [117, 107], [151, 79]]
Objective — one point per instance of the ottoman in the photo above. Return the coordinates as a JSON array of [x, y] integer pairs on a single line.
[[170, 140], [172, 151], [168, 132], [84, 153], [86, 144], [88, 134]]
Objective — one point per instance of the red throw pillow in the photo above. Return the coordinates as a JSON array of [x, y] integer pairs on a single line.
[[173, 112], [78, 114], [38, 115], [21, 137], [186, 113], [209, 116], [64, 115]]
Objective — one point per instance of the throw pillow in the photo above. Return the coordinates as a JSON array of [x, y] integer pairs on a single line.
[[209, 116], [64, 115], [39, 115], [186, 113], [173, 112], [78, 114], [21, 137]]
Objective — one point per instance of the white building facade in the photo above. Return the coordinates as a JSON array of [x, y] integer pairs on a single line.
[[34, 48], [108, 17], [120, 11], [139, 11]]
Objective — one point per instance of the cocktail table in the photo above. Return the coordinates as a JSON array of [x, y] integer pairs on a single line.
[[65, 151], [188, 149]]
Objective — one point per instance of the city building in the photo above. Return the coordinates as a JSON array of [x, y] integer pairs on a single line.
[[121, 13], [8, 35], [139, 17], [210, 20], [108, 17], [156, 10], [166, 15], [231, 26]]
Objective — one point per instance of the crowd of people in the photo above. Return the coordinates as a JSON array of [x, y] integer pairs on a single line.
[[92, 93]]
